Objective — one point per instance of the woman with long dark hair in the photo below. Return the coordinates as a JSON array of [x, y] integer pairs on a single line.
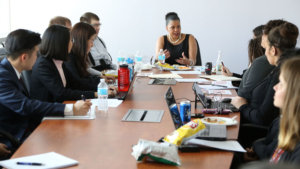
[[50, 80]]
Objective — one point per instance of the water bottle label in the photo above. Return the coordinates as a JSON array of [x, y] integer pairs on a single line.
[[102, 91], [160, 57], [163, 57]]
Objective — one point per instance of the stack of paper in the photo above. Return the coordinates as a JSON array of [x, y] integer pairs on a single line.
[[187, 72], [229, 145], [46, 160], [166, 76], [199, 80]]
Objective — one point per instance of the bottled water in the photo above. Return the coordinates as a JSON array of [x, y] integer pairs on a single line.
[[138, 62], [161, 56], [130, 63], [219, 63], [102, 95]]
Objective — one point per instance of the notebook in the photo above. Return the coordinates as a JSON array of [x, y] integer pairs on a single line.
[[123, 95], [46, 160], [208, 103], [211, 132], [159, 81]]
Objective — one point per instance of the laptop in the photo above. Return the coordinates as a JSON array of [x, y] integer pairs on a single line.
[[123, 95], [208, 103], [211, 132]]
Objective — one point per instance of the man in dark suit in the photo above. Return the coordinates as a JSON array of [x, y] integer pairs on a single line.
[[20, 115]]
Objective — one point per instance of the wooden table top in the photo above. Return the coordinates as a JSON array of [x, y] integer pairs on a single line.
[[106, 141]]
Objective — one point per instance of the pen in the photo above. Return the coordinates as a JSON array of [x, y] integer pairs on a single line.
[[223, 67], [83, 97], [29, 163]]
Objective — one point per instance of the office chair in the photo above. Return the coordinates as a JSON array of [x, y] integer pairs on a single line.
[[2, 41], [198, 56], [15, 143]]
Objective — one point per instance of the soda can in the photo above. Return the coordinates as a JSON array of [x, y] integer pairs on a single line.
[[208, 68], [175, 116], [185, 111]]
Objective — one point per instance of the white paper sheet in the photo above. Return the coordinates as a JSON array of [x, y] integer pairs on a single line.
[[191, 80], [90, 116], [49, 160], [223, 92], [229, 145], [167, 76], [111, 102], [143, 74], [187, 72]]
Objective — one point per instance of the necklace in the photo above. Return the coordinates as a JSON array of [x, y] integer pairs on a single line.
[[172, 41]]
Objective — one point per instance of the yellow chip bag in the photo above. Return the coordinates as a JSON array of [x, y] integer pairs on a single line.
[[185, 132]]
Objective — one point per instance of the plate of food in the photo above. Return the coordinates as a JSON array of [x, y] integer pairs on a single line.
[[183, 68], [219, 121], [164, 66]]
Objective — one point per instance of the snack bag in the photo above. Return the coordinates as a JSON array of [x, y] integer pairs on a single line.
[[185, 132], [161, 152]]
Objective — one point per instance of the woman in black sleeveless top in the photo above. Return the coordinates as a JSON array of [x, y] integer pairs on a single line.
[[179, 48]]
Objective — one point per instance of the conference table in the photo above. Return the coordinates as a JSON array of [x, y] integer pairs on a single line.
[[106, 142]]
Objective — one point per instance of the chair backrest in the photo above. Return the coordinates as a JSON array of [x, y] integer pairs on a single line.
[[2, 41], [2, 53], [198, 56], [26, 75]]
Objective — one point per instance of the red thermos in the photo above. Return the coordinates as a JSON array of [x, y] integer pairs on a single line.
[[123, 78]]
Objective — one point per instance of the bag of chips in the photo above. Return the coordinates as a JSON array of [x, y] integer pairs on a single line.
[[185, 132], [161, 152]]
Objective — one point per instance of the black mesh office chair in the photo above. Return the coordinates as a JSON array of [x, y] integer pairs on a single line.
[[198, 56], [13, 141]]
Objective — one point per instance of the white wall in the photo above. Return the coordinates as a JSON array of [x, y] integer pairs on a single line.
[[131, 25]]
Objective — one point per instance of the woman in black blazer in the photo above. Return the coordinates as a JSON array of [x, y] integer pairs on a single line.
[[83, 35], [260, 109], [287, 95], [50, 80]]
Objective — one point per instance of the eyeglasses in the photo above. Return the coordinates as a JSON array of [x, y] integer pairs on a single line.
[[97, 24]]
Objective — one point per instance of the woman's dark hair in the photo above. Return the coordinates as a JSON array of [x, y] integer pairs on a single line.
[[171, 16], [284, 36], [81, 33], [272, 24], [254, 49], [20, 41], [88, 16], [55, 43], [258, 31]]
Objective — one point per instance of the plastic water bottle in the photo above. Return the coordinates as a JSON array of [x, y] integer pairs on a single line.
[[102, 95], [219, 63], [138, 62], [161, 56], [130, 64]]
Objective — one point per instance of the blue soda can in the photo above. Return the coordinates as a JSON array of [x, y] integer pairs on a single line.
[[175, 116], [185, 111]]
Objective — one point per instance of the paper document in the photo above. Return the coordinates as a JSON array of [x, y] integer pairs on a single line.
[[111, 102], [142, 74], [46, 160], [90, 116], [199, 80], [223, 92], [167, 76], [229, 145], [221, 78], [187, 72]]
